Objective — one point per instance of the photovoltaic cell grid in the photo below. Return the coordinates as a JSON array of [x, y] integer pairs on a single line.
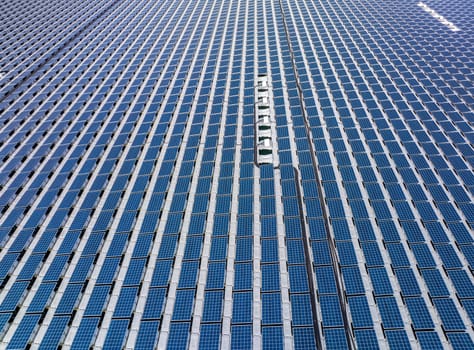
[[134, 212]]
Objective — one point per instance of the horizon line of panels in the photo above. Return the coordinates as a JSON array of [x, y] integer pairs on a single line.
[[404, 215]]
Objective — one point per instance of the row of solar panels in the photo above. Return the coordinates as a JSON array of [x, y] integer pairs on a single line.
[[340, 209]]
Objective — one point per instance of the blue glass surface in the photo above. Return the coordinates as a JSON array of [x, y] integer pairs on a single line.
[[130, 184]]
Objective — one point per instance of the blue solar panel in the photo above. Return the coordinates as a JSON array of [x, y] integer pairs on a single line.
[[407, 280], [81, 272], [183, 305], [423, 256], [336, 338], [413, 231], [142, 246], [435, 283], [271, 308], [168, 246], [179, 334], [210, 336], [460, 232], [126, 302], [118, 244], [301, 310], [272, 337], [189, 274], [147, 335], [366, 339], [419, 314], [241, 337], [31, 267], [346, 253], [242, 307], [45, 241], [97, 299], [270, 277], [316, 229], [468, 305], [381, 209], [304, 338], [69, 299], [352, 281], [93, 243], [321, 253], [221, 225], [398, 339], [448, 256], [218, 248], [269, 250], [116, 334], [460, 341], [389, 312], [295, 251], [372, 254], [42, 297], [360, 312], [165, 92], [24, 331], [213, 306], [380, 281], [56, 268], [108, 270], [429, 340], [55, 332], [462, 283], [331, 311], [449, 315]]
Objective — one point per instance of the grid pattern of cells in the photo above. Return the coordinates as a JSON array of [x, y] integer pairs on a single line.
[[267, 174]]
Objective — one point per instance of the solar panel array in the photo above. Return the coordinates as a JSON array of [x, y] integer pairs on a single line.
[[137, 209]]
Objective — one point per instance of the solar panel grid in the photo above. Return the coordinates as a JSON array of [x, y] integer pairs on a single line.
[[354, 54]]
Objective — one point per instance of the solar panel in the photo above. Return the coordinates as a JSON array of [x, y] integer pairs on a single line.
[[360, 312], [241, 337], [126, 302], [448, 256], [429, 340], [210, 336], [272, 337], [97, 299], [183, 305], [304, 338], [336, 338], [372, 254], [213, 306], [25, 330], [419, 314], [462, 283], [56, 331], [331, 311], [408, 283], [85, 333], [179, 334], [398, 339], [389, 312], [460, 340], [242, 307], [449, 314], [366, 339]]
